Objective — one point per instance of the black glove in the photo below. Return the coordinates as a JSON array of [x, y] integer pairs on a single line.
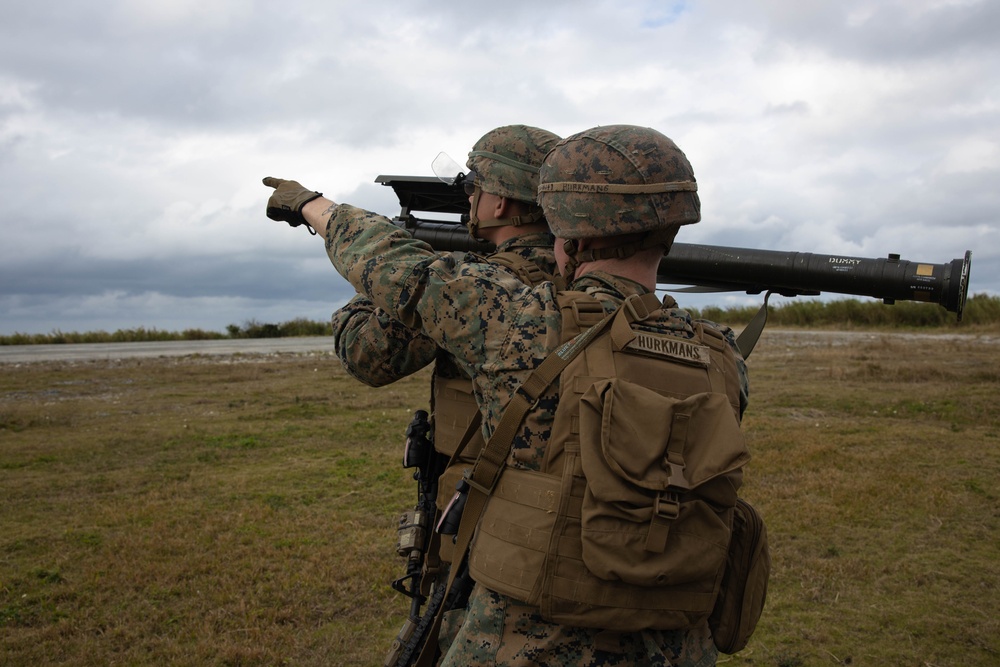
[[287, 200]]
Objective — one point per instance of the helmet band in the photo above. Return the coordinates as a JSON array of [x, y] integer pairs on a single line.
[[505, 160], [616, 188]]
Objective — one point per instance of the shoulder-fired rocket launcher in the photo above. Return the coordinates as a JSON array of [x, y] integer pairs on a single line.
[[715, 268]]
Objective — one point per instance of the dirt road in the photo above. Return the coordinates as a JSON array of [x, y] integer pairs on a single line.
[[97, 351], [324, 345]]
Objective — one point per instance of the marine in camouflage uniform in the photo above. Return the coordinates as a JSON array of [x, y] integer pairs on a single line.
[[502, 184], [378, 350], [499, 330]]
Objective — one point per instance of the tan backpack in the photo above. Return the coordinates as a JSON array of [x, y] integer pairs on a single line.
[[628, 524]]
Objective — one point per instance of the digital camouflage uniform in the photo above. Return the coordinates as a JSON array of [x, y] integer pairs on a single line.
[[498, 331], [502, 631], [378, 350]]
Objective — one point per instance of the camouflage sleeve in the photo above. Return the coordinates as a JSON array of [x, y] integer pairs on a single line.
[[465, 307], [375, 348]]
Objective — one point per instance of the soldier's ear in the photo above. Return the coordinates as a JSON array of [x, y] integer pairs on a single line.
[[502, 208]]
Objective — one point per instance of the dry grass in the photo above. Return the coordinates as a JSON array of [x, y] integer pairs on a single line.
[[195, 512], [876, 465], [241, 511]]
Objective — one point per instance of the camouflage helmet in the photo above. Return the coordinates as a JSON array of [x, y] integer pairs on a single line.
[[617, 179], [506, 160]]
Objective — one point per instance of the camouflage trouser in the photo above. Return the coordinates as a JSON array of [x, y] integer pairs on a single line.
[[501, 632], [451, 623]]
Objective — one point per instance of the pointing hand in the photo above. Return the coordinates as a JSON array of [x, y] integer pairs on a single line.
[[287, 200]]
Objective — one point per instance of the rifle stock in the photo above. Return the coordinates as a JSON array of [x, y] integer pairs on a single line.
[[717, 268]]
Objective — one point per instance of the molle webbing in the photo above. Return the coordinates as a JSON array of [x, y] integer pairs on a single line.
[[521, 493], [454, 406], [455, 410]]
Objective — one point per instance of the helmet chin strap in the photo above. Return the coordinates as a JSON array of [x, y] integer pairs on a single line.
[[572, 261], [475, 224], [663, 238]]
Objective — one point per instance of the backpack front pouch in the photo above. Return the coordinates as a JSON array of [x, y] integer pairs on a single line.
[[662, 479]]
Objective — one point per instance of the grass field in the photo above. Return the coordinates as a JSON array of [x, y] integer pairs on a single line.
[[241, 510]]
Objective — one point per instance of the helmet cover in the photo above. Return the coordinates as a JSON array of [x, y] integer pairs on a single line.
[[614, 180], [506, 160]]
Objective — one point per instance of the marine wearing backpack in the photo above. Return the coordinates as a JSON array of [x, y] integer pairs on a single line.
[[627, 524], [627, 527]]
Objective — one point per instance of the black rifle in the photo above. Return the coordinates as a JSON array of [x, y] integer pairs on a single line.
[[715, 268], [415, 536], [415, 539]]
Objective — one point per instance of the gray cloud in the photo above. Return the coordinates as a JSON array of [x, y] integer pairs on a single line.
[[133, 136], [884, 32]]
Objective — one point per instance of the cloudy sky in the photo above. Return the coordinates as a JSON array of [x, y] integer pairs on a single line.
[[134, 134]]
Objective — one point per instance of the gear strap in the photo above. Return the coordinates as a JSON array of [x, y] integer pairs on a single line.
[[747, 339], [515, 221]]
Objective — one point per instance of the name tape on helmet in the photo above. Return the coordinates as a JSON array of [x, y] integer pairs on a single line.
[[618, 188]]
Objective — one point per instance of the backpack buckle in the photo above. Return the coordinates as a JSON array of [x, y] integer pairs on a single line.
[[675, 476], [640, 306], [667, 506], [666, 509], [632, 305]]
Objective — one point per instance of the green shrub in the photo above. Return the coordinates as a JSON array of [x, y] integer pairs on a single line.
[[981, 310]]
